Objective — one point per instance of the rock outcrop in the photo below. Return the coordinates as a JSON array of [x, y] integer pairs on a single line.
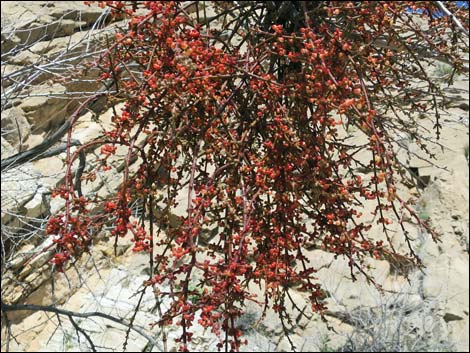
[[56, 36]]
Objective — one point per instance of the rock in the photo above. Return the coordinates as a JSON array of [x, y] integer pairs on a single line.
[[137, 263], [447, 277], [78, 12], [107, 283], [20, 257], [380, 270], [318, 259], [33, 141], [316, 337], [25, 58], [42, 20], [87, 128], [9, 42], [42, 255], [451, 317], [458, 334], [258, 343], [32, 326], [114, 339], [53, 168], [19, 186], [15, 127], [9, 73], [32, 278], [46, 109], [38, 205], [56, 204], [285, 346], [7, 149], [464, 106]]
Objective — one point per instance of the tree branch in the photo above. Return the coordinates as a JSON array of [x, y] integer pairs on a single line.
[[454, 19], [47, 308]]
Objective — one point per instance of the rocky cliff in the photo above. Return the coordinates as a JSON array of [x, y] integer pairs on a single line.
[[43, 45]]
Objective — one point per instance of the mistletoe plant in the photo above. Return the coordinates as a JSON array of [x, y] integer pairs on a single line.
[[245, 116]]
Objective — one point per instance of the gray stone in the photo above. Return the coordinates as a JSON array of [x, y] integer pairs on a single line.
[[38, 205], [7, 149], [45, 107], [19, 186], [15, 127], [258, 343]]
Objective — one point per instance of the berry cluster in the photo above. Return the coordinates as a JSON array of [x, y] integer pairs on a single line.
[[251, 130]]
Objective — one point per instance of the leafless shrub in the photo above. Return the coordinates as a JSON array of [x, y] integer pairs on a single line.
[[398, 324]]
